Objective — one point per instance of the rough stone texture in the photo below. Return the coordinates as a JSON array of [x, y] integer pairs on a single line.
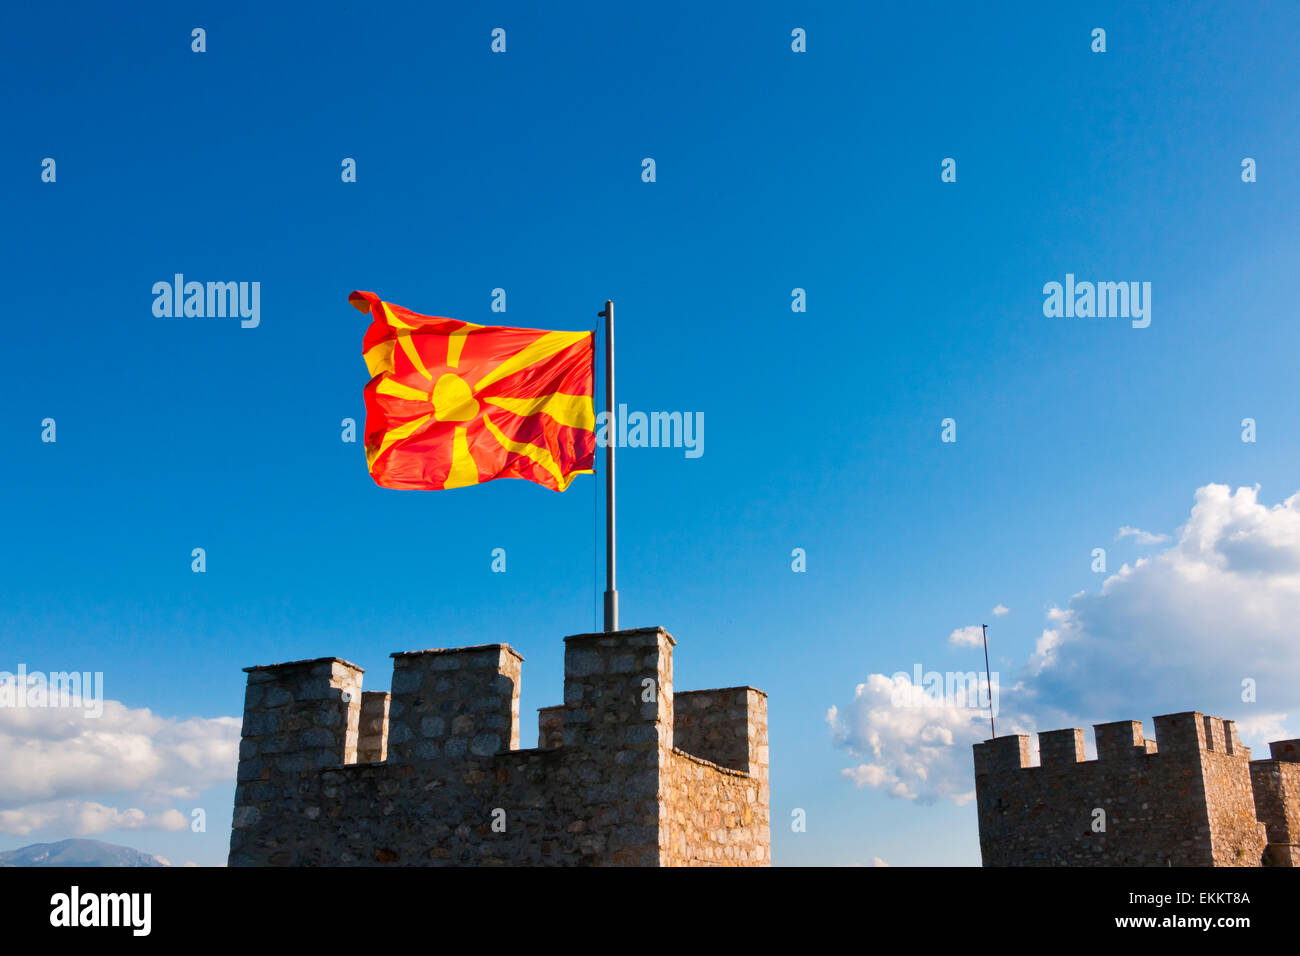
[[550, 727], [442, 781], [716, 800], [1277, 801], [1191, 797], [372, 743]]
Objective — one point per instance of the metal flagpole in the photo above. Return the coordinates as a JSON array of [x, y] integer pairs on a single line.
[[988, 677], [611, 440]]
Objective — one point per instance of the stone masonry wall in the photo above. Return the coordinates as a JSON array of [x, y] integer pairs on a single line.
[[606, 785], [299, 718], [1277, 801], [1184, 799], [372, 742], [1236, 833], [715, 789]]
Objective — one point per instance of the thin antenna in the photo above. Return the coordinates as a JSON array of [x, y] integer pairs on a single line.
[[988, 678]]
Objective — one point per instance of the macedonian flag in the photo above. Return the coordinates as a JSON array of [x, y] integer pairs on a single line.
[[452, 403]]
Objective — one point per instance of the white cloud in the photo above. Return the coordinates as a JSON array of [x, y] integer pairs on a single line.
[[1143, 538], [1263, 728], [970, 636], [1001, 611], [1179, 630], [1182, 629], [60, 763], [85, 818], [914, 745]]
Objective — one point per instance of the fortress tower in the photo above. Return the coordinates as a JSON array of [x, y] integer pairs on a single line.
[[1191, 797], [626, 772]]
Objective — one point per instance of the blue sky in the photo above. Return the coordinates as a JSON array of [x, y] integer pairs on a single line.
[[522, 171]]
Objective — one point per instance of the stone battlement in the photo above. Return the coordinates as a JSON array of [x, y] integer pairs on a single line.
[[430, 773], [1184, 735], [1191, 797]]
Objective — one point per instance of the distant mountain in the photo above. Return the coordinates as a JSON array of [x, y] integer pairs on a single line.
[[78, 853]]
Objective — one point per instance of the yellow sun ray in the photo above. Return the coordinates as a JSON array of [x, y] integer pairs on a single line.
[[463, 470], [398, 390], [575, 411], [540, 348], [404, 339], [395, 435], [392, 318], [455, 342], [379, 359], [535, 452]]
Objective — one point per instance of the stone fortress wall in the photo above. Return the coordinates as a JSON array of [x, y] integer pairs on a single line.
[[626, 771], [1191, 797]]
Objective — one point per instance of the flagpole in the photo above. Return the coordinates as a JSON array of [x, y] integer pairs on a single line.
[[988, 677], [611, 440]]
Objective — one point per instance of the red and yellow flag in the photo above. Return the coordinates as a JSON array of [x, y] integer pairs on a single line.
[[452, 403]]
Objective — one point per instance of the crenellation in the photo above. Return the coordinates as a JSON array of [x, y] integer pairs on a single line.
[[1119, 740], [1276, 784], [981, 760], [1010, 752], [550, 727], [372, 743], [1190, 797], [717, 799], [301, 713], [1216, 738], [1288, 750], [299, 717], [726, 726], [431, 772], [1234, 744], [1182, 733], [618, 691], [1060, 747], [457, 703]]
